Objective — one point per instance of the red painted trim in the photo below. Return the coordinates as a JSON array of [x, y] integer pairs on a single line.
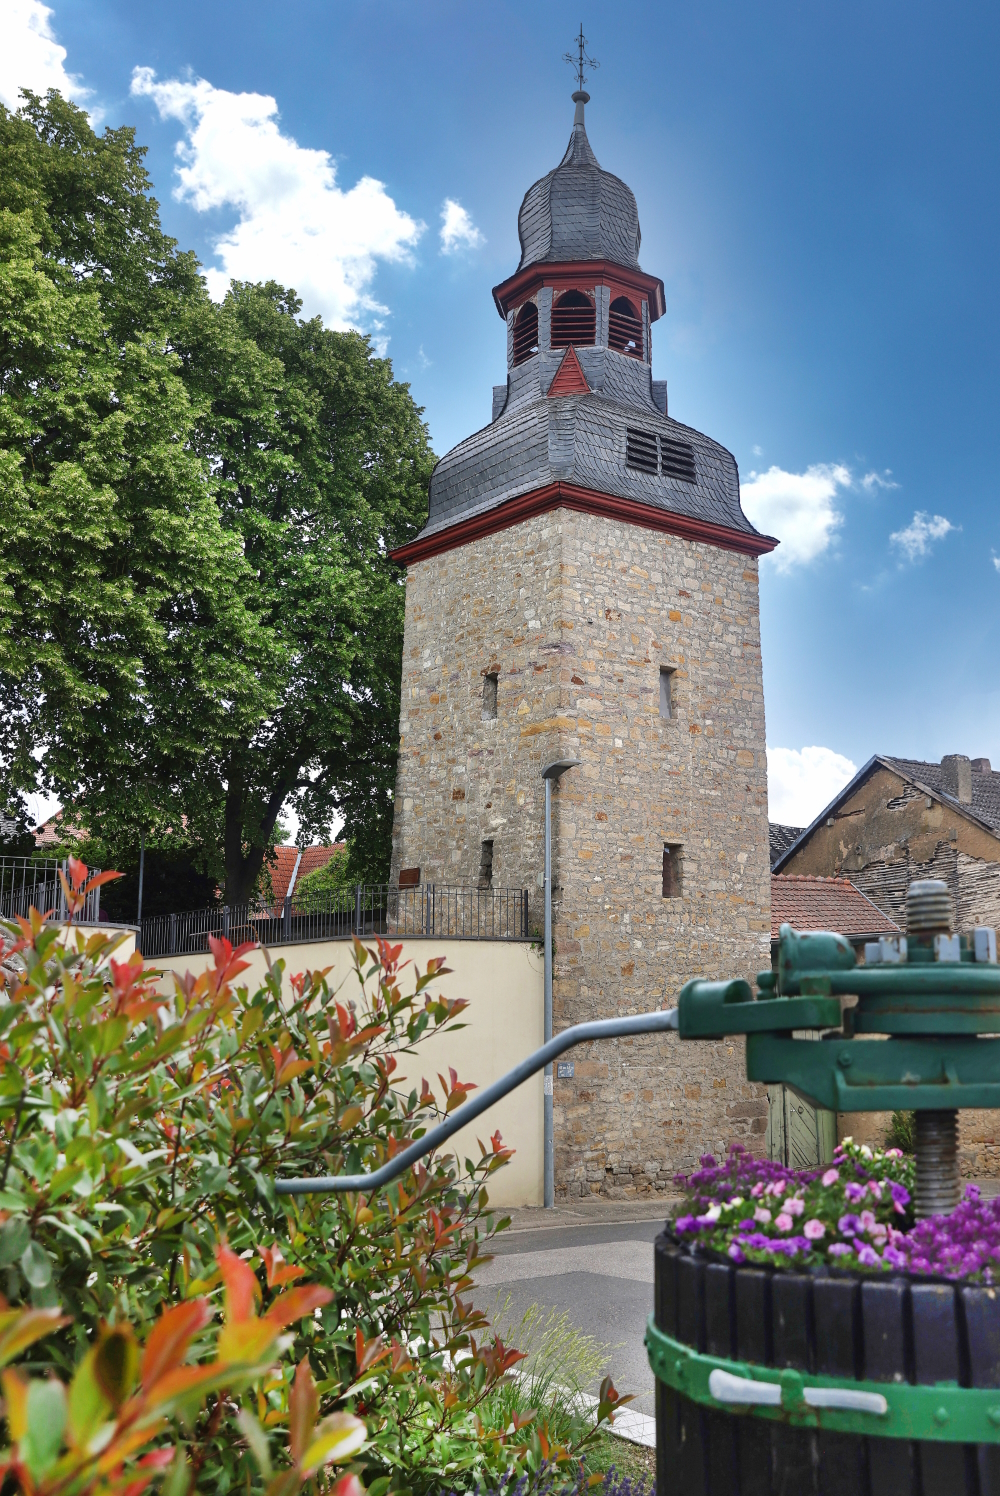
[[585, 501], [580, 275], [570, 379]]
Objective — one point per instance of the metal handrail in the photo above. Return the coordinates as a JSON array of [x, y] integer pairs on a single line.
[[365, 910], [580, 1033], [33, 882]]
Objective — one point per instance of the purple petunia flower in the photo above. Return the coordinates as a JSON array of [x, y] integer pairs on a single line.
[[854, 1192], [839, 1249]]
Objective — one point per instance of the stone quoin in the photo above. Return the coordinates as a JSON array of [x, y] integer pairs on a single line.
[[586, 586]]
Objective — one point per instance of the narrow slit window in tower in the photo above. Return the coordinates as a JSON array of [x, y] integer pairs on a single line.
[[671, 871], [486, 865], [573, 321], [490, 697], [666, 691], [525, 332], [625, 328]]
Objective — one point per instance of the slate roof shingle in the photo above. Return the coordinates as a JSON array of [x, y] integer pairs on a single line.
[[809, 903], [578, 211], [781, 838]]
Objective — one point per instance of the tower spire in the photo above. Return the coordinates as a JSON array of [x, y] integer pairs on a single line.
[[579, 62]]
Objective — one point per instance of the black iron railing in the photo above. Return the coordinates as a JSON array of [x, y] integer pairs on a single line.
[[33, 883], [365, 910]]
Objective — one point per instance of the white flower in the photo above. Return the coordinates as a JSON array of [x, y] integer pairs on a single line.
[[712, 1213]]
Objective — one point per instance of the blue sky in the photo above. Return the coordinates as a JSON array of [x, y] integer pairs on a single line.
[[817, 186]]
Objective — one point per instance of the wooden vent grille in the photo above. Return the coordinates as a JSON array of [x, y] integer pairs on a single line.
[[645, 453], [625, 328], [640, 451], [525, 332], [677, 460], [573, 321]]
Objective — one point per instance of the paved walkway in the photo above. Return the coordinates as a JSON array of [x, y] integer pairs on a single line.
[[594, 1261]]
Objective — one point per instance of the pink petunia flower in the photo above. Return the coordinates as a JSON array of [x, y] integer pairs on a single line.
[[794, 1206], [757, 1191], [830, 1177], [868, 1222], [762, 1214], [814, 1229], [875, 1188], [784, 1221]]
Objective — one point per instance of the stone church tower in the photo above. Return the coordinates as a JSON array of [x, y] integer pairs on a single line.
[[586, 587]]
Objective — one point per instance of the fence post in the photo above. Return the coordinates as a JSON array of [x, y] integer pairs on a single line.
[[62, 892], [173, 934], [357, 909], [524, 915], [286, 917], [225, 920]]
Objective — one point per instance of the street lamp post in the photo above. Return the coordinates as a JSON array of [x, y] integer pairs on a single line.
[[551, 772]]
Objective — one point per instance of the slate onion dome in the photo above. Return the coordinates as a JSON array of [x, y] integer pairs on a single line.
[[578, 211]]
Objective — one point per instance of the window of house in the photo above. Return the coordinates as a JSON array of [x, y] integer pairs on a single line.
[[490, 697], [625, 327], [671, 871], [666, 691], [486, 865], [525, 332], [573, 321]]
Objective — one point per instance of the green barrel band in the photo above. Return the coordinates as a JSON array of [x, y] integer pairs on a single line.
[[945, 1411]]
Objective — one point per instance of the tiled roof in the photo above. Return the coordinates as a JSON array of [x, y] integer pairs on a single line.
[[781, 838], [580, 439], [578, 211], [314, 858], [282, 869], [296, 863], [985, 786], [809, 903]]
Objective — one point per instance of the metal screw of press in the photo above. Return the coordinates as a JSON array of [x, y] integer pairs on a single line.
[[929, 912]]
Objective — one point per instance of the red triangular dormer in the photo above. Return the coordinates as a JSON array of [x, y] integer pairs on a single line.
[[569, 378]]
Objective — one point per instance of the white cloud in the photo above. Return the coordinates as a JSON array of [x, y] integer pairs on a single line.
[[30, 56], [799, 508], [757, 451], [920, 534], [996, 560], [457, 229], [295, 224], [872, 481], [801, 784]]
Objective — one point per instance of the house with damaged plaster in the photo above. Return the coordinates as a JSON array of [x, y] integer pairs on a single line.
[[901, 819]]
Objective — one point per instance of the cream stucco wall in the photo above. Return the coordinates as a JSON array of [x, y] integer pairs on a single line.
[[502, 983]]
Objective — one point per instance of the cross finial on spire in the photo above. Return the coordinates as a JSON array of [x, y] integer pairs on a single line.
[[580, 60]]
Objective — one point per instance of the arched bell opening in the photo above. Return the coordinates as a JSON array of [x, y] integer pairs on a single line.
[[525, 333], [625, 327], [574, 321]]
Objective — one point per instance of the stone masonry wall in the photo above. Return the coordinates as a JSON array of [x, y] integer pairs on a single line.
[[576, 614]]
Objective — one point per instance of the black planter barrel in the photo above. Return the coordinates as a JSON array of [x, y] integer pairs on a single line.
[[869, 1330]]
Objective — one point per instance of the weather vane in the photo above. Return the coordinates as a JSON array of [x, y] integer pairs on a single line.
[[579, 60]]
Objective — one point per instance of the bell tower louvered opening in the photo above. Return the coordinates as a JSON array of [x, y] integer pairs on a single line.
[[625, 328], [574, 321], [525, 333]]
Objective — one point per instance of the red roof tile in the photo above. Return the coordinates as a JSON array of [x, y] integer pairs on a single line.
[[282, 869], [316, 857], [809, 903]]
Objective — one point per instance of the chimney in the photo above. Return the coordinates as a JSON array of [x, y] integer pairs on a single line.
[[981, 766], [956, 777]]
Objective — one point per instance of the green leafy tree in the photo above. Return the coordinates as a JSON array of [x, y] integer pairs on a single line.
[[320, 483], [126, 646], [200, 501]]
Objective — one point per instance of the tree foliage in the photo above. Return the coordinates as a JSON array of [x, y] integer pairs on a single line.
[[199, 620]]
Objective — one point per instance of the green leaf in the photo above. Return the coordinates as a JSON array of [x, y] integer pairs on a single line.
[[15, 1235], [89, 1409], [36, 1265], [257, 1440], [46, 1422]]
